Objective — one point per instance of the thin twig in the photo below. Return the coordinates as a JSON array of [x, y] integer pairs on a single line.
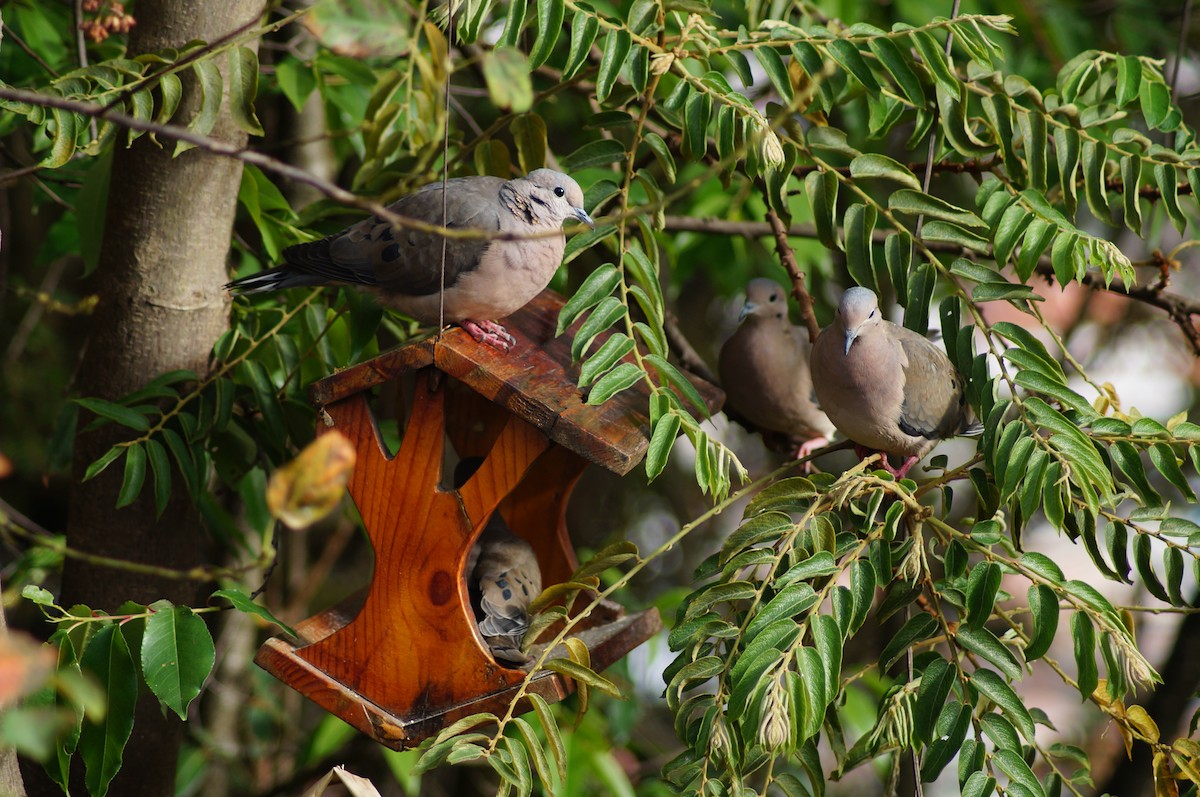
[[1183, 34], [689, 358], [788, 258], [264, 162]]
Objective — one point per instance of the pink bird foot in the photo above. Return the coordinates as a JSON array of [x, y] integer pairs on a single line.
[[489, 333], [806, 448], [899, 473]]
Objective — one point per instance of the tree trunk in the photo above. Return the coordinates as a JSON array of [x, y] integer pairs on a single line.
[[162, 264]]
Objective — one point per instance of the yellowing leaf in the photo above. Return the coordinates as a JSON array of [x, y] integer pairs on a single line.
[[310, 486]]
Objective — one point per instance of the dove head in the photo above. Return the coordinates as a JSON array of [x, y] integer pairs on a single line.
[[764, 299], [552, 198], [858, 312]]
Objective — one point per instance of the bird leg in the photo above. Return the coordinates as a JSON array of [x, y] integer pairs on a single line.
[[899, 473], [902, 471], [806, 448], [489, 333]]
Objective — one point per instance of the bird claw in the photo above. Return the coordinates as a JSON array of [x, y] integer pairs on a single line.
[[489, 333], [897, 473], [806, 448]]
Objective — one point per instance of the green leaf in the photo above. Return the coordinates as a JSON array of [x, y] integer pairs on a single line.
[[984, 643], [102, 739], [135, 475], [662, 153], [897, 253], [606, 313], [529, 135], [1084, 635], [696, 113], [860, 224], [62, 147], [919, 627], [177, 655], [160, 466], [1043, 609], [1129, 79], [97, 467], [212, 89], [882, 167], [1163, 458], [1141, 558], [623, 377], [255, 373], [243, 603], [610, 352], [995, 689], [936, 682], [772, 63], [598, 152], [599, 284], [616, 49], [1131, 176], [682, 385], [916, 203], [508, 77], [822, 190], [662, 439], [125, 416], [553, 737], [852, 61], [583, 675], [982, 587], [896, 62], [1095, 154], [550, 19], [584, 27], [243, 89]]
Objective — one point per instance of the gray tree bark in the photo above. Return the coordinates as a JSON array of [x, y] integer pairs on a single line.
[[162, 264]]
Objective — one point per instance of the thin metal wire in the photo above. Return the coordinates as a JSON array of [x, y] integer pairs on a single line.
[[445, 167], [918, 790]]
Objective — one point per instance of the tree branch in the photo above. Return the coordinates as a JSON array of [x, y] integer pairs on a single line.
[[264, 162], [788, 258]]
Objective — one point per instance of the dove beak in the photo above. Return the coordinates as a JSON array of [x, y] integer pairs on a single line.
[[851, 336], [747, 309], [583, 216]]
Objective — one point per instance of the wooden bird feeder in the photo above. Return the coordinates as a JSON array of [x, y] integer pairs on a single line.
[[408, 660]]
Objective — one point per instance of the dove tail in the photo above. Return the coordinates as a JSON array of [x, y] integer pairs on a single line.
[[274, 279]]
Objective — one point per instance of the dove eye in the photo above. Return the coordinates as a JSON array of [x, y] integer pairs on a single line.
[[559, 191], [774, 296]]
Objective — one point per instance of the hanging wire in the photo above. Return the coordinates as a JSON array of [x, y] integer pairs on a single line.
[[445, 166]]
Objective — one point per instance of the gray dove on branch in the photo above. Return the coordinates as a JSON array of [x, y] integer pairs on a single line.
[[485, 277], [765, 373], [884, 386]]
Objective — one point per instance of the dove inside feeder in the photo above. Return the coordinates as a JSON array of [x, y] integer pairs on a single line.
[[408, 659]]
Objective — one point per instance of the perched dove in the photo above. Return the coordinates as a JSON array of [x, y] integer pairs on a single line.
[[503, 578], [764, 370], [486, 278], [885, 387]]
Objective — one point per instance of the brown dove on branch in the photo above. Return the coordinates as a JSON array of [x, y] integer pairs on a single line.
[[764, 371], [503, 578], [884, 386], [485, 277]]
